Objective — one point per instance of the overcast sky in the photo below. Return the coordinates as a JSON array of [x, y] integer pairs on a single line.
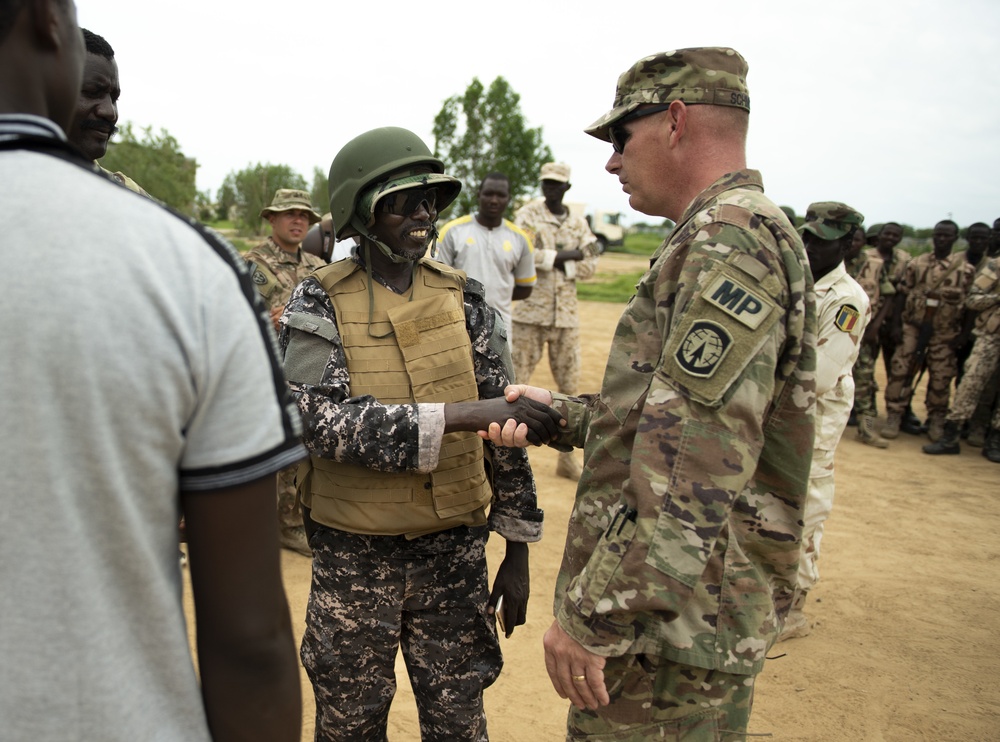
[[892, 107]]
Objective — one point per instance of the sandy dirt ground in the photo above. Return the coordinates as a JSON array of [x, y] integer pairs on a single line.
[[906, 641]]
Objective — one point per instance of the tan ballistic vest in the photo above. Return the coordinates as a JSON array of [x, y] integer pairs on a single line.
[[421, 352]]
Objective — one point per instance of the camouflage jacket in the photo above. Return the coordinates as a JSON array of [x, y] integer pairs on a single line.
[[288, 269], [984, 297], [866, 269], [684, 539], [553, 300], [123, 180], [950, 280], [843, 310], [397, 437], [892, 272]]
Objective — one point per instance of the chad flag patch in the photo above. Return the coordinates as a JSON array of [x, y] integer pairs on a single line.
[[847, 318]]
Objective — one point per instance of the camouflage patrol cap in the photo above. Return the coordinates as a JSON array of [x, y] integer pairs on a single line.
[[555, 171], [709, 75], [831, 220], [873, 230], [287, 199]]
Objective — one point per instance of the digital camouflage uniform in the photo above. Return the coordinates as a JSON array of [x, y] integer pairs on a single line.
[[866, 269], [275, 273], [683, 544], [984, 297], [123, 180], [952, 278], [374, 593], [551, 315]]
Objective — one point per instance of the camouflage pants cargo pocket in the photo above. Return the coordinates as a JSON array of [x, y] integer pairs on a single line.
[[655, 698]]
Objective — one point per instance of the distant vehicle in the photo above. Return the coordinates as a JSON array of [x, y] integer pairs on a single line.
[[606, 225]]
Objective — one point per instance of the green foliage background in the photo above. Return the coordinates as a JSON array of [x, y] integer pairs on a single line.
[[248, 191], [156, 163], [481, 131]]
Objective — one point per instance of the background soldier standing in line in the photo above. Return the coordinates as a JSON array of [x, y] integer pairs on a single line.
[[984, 298], [865, 267], [930, 305], [682, 548], [565, 251], [396, 361], [842, 312], [276, 267]]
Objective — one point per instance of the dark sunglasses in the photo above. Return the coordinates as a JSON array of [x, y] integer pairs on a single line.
[[404, 203], [617, 133]]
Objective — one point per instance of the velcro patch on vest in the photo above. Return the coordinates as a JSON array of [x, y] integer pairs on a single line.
[[847, 318], [703, 348], [735, 299]]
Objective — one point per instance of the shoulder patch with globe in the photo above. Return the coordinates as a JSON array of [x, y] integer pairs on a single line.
[[703, 348]]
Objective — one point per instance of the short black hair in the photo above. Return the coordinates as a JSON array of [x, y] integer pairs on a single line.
[[975, 225], [495, 175], [97, 45], [949, 223], [891, 224]]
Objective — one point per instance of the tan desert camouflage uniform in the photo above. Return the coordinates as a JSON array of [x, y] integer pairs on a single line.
[[866, 269], [984, 297], [684, 539], [276, 273], [922, 273], [552, 304]]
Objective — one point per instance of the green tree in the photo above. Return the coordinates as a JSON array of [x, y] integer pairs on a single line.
[[482, 131], [253, 188], [320, 193], [157, 164]]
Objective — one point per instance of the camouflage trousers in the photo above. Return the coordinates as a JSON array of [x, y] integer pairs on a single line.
[[371, 596], [289, 512], [942, 365], [819, 505], [864, 380], [656, 698], [564, 353], [979, 371]]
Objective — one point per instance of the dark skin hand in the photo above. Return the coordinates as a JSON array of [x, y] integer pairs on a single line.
[[565, 256], [246, 651], [542, 421], [513, 584]]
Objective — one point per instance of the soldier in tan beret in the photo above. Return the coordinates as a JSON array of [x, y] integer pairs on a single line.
[[276, 268]]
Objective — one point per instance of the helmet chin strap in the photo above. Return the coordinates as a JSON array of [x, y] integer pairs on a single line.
[[387, 251]]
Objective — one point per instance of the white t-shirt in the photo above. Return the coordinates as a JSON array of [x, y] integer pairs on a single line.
[[132, 364], [499, 258]]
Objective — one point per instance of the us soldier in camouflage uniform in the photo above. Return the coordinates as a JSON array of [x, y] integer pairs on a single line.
[[565, 251], [276, 267], [97, 107], [843, 310], [865, 267], [682, 549], [984, 297], [396, 360], [932, 293]]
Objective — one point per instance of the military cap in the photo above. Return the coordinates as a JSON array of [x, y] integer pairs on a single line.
[[287, 199], [711, 75], [831, 220], [873, 230], [555, 171]]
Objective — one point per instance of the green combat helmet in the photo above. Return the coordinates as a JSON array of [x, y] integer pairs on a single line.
[[375, 164]]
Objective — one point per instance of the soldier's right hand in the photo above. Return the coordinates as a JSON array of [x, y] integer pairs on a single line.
[[509, 432]]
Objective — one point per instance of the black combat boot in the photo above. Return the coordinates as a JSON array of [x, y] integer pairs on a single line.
[[911, 423], [991, 449], [947, 443]]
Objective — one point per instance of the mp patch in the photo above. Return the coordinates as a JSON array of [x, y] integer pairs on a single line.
[[703, 348], [847, 318], [738, 301]]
